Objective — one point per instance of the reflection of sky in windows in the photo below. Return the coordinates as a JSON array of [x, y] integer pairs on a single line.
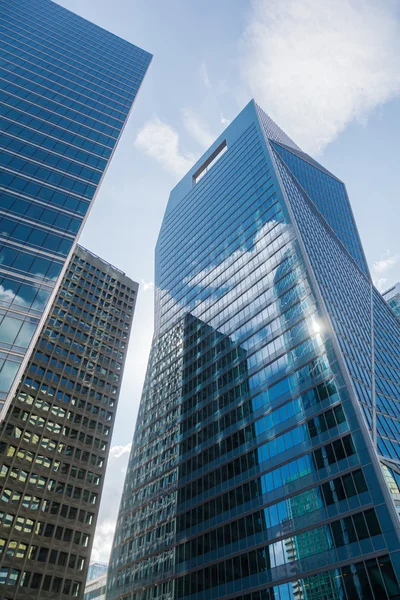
[[61, 115], [244, 389]]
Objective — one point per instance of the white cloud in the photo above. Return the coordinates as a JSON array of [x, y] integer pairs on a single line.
[[197, 129], [103, 540], [147, 285], [204, 75], [118, 451], [381, 269], [316, 65], [224, 121], [114, 481], [161, 142]]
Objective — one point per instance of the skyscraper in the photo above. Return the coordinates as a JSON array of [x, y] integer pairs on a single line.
[[265, 459], [67, 87], [55, 440]]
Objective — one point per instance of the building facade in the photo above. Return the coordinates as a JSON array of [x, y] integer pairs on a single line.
[[67, 87], [95, 589], [96, 570], [392, 297], [265, 458], [55, 440]]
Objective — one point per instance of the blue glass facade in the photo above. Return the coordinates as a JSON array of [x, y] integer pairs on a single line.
[[67, 87], [263, 463]]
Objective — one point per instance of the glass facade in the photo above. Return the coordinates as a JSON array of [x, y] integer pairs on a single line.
[[55, 440], [96, 570], [264, 463], [96, 588], [67, 87], [392, 297]]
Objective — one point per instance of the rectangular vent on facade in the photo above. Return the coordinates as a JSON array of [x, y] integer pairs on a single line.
[[211, 160]]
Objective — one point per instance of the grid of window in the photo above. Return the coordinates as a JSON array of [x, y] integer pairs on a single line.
[[249, 464], [359, 315], [55, 440], [62, 110]]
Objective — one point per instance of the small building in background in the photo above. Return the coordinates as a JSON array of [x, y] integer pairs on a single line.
[[95, 589], [96, 569], [392, 297]]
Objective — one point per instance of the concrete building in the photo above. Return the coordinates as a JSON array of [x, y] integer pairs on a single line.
[[55, 440]]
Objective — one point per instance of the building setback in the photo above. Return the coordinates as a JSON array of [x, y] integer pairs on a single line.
[[55, 440], [66, 90], [392, 297], [265, 462]]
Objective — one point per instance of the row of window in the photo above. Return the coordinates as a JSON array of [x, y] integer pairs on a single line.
[[302, 433], [70, 369], [86, 268], [91, 352], [264, 520], [31, 235], [90, 98], [84, 362], [276, 417], [105, 290], [101, 133], [374, 579], [25, 296], [310, 398], [18, 152], [335, 490], [47, 462], [32, 580], [27, 525], [16, 122], [90, 341], [40, 481], [48, 99], [338, 533], [42, 214], [318, 459], [46, 443], [21, 550], [40, 140], [53, 426], [58, 411], [34, 384], [50, 31], [63, 76], [56, 487], [81, 71]]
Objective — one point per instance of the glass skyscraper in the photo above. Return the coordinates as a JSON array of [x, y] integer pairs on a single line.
[[265, 462], [55, 439], [66, 90]]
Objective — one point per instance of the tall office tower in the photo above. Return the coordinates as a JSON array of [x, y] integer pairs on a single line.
[[55, 440], [66, 90], [266, 455], [392, 297]]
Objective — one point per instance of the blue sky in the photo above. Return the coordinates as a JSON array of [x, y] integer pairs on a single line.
[[325, 70]]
